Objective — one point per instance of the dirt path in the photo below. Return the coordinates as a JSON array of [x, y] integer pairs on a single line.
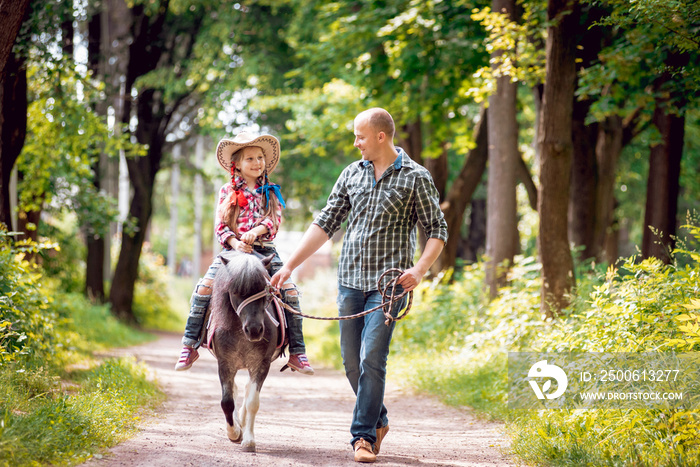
[[303, 420]]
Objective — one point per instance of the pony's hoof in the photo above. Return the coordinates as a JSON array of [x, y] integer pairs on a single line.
[[234, 435], [248, 446]]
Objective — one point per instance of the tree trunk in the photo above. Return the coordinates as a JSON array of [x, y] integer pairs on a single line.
[[663, 184], [13, 127], [460, 194], [474, 244], [584, 183], [11, 123], [174, 196], [608, 149], [411, 140], [94, 241], [198, 201], [585, 174], [556, 153], [142, 173], [503, 155]]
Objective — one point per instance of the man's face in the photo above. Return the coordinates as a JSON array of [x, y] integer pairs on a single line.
[[366, 140]]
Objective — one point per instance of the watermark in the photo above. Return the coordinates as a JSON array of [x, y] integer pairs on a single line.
[[604, 380]]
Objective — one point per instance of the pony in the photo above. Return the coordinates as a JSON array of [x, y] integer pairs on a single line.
[[243, 333]]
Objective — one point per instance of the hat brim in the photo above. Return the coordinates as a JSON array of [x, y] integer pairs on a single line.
[[269, 144]]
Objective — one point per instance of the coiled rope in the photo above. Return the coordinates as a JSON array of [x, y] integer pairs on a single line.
[[389, 298]]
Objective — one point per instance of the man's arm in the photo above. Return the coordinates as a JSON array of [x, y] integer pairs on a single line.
[[412, 277], [313, 239]]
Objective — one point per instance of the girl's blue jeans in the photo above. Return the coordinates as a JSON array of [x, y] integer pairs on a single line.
[[364, 346], [200, 302]]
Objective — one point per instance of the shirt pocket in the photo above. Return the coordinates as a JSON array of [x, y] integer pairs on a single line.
[[395, 201], [359, 199]]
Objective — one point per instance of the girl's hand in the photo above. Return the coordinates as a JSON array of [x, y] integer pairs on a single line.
[[240, 246], [248, 237]]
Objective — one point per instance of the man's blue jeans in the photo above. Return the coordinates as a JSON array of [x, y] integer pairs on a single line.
[[364, 345]]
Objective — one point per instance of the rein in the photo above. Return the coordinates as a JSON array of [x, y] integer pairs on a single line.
[[388, 300]]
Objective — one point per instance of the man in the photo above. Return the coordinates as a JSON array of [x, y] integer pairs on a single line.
[[382, 196]]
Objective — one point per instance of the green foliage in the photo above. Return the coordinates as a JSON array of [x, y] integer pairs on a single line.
[[26, 319], [517, 49], [651, 38], [66, 263], [42, 424], [454, 344], [64, 139], [152, 307], [49, 413], [45, 419]]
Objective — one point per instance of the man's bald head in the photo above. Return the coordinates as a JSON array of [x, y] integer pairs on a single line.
[[379, 120]]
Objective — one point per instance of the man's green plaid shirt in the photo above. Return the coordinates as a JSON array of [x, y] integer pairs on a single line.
[[382, 218]]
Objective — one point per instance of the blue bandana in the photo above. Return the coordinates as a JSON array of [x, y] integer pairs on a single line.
[[266, 189]]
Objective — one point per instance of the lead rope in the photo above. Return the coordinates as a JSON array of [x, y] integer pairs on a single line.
[[387, 304]]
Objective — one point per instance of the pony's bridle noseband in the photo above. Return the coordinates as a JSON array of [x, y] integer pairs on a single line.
[[266, 292]]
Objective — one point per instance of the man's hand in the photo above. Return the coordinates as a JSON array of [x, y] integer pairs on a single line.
[[410, 279], [280, 277]]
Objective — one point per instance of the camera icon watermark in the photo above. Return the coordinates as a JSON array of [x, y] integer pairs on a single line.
[[543, 370]]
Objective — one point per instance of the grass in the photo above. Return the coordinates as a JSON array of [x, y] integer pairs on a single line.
[[58, 404], [49, 421]]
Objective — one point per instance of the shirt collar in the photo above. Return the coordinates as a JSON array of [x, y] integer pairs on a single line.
[[239, 182], [398, 162]]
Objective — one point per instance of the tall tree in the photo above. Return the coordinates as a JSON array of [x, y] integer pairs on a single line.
[[663, 183], [501, 207], [644, 75], [555, 156], [461, 191], [178, 54], [107, 32], [12, 84]]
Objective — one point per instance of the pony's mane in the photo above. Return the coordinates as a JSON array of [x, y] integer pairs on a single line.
[[248, 275]]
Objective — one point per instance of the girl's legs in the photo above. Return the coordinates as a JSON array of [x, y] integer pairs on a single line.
[[199, 303], [297, 350]]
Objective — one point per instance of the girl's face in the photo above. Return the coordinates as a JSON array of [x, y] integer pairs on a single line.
[[251, 163]]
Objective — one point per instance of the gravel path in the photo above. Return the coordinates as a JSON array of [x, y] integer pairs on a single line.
[[303, 420]]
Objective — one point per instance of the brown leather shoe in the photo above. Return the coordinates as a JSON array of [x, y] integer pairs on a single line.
[[363, 451], [381, 433]]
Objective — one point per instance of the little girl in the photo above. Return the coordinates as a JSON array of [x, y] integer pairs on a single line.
[[247, 219]]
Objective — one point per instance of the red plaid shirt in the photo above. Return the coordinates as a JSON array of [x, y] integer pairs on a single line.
[[249, 217]]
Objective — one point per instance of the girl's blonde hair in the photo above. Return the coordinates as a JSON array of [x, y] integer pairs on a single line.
[[230, 209]]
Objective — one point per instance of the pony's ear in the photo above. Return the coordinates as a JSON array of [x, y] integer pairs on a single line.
[[226, 256]]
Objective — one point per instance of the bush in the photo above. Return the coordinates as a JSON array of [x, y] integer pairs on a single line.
[[454, 344], [26, 319]]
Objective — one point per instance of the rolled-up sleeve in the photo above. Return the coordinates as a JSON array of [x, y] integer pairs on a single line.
[[337, 207], [430, 215]]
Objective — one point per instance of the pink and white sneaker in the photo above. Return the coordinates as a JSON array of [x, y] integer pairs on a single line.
[[299, 362], [187, 357]]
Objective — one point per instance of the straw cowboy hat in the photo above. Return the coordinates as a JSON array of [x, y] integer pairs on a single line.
[[269, 144]]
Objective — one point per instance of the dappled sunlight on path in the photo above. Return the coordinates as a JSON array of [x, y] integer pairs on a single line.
[[303, 420]]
